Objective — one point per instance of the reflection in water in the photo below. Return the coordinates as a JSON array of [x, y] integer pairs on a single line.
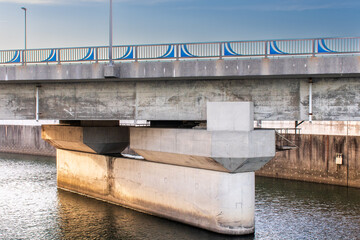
[[99, 220], [31, 207]]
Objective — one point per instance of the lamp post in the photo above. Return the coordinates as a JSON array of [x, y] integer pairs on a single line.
[[24, 54], [110, 35]]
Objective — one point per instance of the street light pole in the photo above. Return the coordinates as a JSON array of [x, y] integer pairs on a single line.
[[110, 35], [24, 54]]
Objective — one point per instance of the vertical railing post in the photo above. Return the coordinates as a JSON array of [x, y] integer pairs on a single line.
[[220, 51], [136, 53], [59, 56], [23, 57], [96, 54], [266, 49], [313, 47], [177, 52], [43, 56]]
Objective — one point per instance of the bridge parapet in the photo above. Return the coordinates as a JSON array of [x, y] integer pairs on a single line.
[[231, 49], [332, 66]]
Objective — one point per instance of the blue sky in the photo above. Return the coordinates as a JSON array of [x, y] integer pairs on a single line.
[[74, 23]]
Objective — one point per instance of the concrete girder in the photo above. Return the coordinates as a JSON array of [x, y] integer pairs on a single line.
[[274, 99]]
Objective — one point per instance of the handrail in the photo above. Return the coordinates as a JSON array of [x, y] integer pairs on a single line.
[[286, 140], [182, 51], [280, 142]]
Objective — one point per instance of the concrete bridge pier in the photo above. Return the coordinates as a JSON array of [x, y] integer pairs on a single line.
[[202, 177]]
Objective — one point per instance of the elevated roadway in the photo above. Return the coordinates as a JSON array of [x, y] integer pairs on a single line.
[[179, 90]]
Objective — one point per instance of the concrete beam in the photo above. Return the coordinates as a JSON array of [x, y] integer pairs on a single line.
[[99, 140], [274, 99], [219, 150], [230, 143]]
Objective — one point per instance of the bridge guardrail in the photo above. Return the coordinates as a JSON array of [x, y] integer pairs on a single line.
[[232, 49]]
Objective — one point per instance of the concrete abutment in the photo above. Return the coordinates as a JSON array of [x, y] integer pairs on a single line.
[[202, 177]]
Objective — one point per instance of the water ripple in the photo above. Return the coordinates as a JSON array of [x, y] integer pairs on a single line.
[[31, 207]]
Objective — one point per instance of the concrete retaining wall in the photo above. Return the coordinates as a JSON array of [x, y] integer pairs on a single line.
[[314, 161], [24, 140]]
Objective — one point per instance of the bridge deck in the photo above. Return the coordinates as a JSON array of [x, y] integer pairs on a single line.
[[178, 88]]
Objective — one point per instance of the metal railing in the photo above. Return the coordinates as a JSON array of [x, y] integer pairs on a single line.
[[287, 138], [178, 51]]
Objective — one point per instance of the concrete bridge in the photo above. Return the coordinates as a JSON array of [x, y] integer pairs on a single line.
[[201, 150]]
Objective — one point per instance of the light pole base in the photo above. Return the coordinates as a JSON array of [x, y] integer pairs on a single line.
[[111, 71]]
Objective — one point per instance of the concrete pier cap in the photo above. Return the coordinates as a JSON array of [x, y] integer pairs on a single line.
[[229, 144], [100, 140], [202, 177], [230, 116]]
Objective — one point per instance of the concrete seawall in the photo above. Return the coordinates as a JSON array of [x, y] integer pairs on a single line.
[[25, 140], [315, 161]]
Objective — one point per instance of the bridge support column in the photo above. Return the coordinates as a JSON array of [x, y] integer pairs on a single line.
[[203, 177], [213, 200]]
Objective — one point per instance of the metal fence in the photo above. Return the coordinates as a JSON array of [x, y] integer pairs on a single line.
[[219, 50]]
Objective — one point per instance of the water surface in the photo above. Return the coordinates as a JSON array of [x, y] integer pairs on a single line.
[[31, 207]]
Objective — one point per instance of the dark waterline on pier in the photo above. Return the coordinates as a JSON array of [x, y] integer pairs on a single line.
[[31, 207]]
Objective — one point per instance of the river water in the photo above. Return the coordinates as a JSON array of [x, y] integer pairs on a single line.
[[31, 207]]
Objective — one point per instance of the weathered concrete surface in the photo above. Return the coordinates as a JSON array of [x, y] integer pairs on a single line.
[[24, 140], [215, 150], [100, 140], [277, 86], [217, 201], [341, 128], [336, 66], [274, 99], [232, 116], [314, 161], [229, 144], [183, 147]]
